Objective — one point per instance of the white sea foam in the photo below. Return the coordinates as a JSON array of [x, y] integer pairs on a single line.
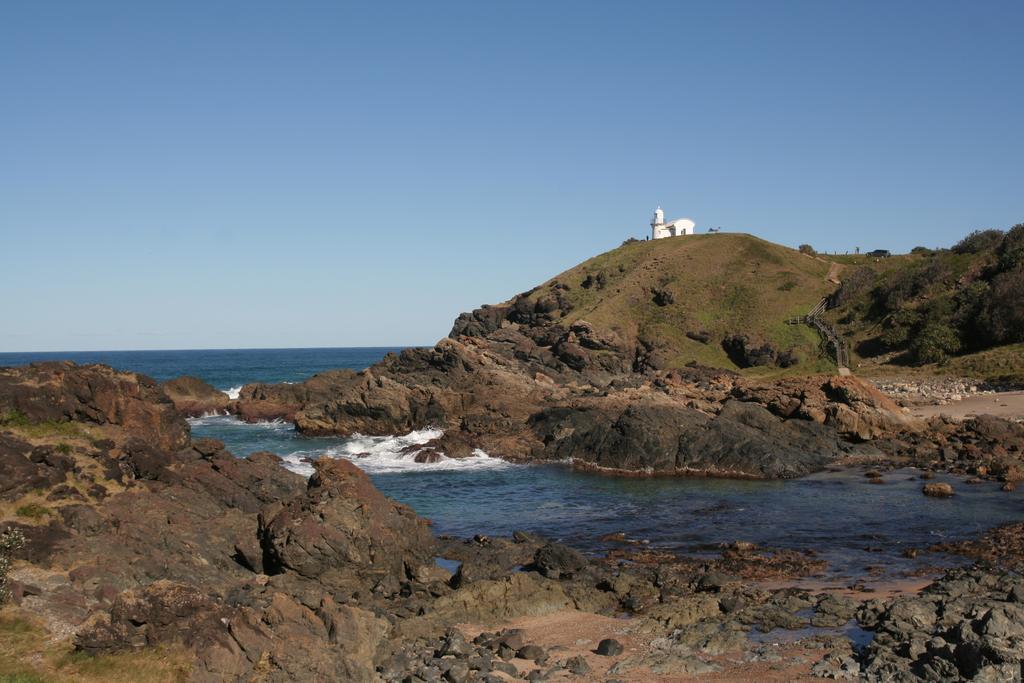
[[382, 454], [233, 392], [375, 454], [225, 419]]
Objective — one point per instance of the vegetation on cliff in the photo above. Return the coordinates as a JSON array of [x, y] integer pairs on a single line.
[[933, 305]]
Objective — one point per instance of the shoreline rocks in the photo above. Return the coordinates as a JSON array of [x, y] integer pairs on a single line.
[[195, 398], [488, 393], [938, 390], [259, 573]]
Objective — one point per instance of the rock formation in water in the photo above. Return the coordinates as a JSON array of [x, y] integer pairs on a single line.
[[195, 398]]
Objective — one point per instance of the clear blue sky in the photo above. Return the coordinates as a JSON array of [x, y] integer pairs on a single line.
[[262, 174]]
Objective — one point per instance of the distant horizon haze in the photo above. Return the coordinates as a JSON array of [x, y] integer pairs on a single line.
[[223, 175]]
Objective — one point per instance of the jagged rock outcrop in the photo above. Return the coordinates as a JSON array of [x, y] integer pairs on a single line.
[[969, 626], [194, 398], [344, 530], [282, 641], [854, 408], [260, 401], [148, 538], [498, 394], [94, 394], [665, 438]]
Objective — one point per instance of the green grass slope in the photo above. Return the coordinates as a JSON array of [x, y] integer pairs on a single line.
[[721, 284]]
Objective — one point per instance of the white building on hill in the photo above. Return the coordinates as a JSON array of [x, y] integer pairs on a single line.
[[677, 228]]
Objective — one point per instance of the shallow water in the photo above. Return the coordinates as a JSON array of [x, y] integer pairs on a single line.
[[852, 524]]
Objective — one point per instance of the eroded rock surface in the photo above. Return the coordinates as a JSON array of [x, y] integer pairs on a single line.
[[194, 398]]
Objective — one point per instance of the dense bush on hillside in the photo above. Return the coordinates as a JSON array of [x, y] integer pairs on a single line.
[[942, 302], [978, 242]]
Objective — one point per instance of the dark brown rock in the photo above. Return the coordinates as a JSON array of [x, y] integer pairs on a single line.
[[97, 394], [344, 527]]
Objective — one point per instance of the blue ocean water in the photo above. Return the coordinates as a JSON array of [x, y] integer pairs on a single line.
[[223, 368], [849, 522]]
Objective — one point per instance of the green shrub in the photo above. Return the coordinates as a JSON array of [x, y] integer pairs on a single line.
[[978, 242], [10, 541], [1003, 316], [14, 418], [899, 327], [32, 511], [1011, 249], [63, 447], [21, 678], [807, 249], [934, 343]]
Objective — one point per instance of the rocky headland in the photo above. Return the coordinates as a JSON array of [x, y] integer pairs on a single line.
[[654, 358], [531, 380]]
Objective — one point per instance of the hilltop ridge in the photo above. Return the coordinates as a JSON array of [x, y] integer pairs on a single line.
[[681, 301]]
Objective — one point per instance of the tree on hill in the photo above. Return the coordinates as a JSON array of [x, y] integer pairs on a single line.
[[979, 241], [1011, 250], [1003, 316]]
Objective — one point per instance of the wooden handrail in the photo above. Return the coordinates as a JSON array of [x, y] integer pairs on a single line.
[[828, 333]]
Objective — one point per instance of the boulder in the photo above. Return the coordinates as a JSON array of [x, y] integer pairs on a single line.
[[665, 437], [555, 560], [937, 490], [282, 642], [20, 472], [194, 398], [342, 528]]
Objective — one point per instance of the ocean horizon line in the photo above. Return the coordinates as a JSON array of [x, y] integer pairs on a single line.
[[227, 348]]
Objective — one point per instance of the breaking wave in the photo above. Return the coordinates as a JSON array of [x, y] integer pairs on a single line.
[[225, 420], [233, 392], [384, 454], [374, 454]]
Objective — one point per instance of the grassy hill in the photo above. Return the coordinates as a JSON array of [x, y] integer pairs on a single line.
[[710, 286], [722, 300]]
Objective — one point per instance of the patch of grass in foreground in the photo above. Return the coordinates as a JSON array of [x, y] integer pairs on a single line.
[[27, 656], [20, 423], [21, 678], [1000, 364]]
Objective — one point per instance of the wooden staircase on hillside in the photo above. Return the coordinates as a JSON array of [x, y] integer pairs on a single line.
[[830, 337]]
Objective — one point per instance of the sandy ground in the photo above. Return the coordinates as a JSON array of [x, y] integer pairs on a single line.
[[867, 588], [1008, 404], [570, 633]]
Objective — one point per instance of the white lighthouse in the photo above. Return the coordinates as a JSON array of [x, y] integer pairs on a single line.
[[676, 228]]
